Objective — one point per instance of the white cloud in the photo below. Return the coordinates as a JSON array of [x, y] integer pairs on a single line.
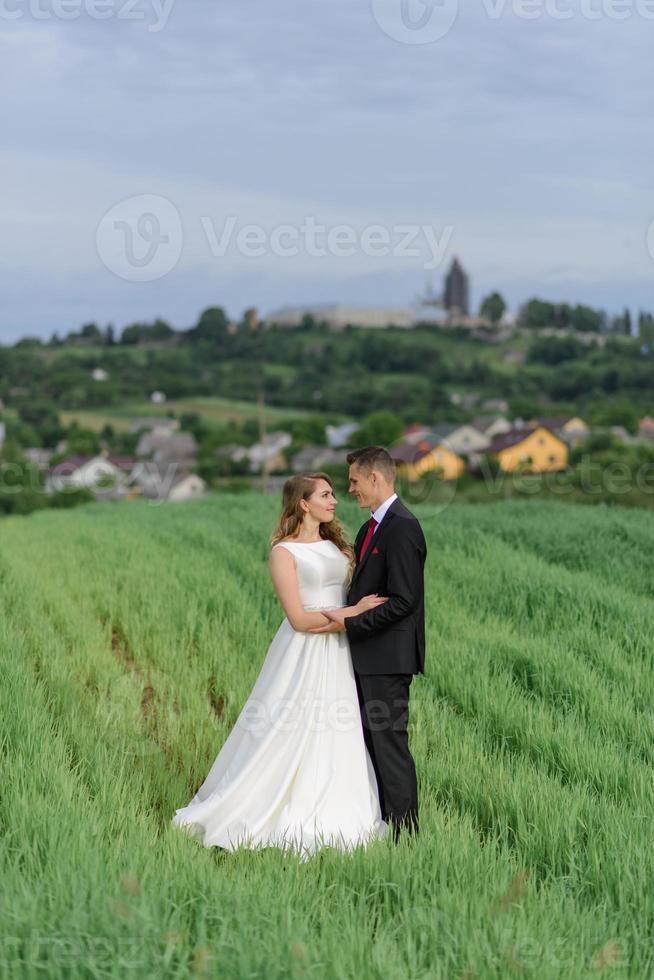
[[532, 138]]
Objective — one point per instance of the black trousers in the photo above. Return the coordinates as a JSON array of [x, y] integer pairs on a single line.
[[384, 703]]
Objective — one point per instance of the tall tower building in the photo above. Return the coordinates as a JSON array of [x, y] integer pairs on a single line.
[[456, 298]]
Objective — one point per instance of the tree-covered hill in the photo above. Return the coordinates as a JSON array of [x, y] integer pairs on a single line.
[[412, 372]]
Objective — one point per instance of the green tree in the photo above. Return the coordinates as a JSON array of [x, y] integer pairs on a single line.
[[307, 431], [524, 407], [21, 484], [70, 497], [29, 342], [619, 412], [38, 413], [646, 328], [91, 333], [587, 319], [554, 350], [493, 307], [380, 428], [212, 325], [142, 333], [536, 313], [81, 442]]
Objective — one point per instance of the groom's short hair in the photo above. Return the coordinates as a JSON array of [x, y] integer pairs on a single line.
[[373, 458]]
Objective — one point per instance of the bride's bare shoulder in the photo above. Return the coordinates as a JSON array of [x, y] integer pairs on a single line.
[[280, 546], [282, 557]]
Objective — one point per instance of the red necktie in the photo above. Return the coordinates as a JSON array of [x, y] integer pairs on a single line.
[[372, 524]]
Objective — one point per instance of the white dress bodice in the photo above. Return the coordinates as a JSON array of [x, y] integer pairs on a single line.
[[322, 572]]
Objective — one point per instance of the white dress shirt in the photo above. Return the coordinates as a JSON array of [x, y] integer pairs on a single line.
[[380, 513]]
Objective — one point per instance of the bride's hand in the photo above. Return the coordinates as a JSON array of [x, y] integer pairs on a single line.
[[369, 602]]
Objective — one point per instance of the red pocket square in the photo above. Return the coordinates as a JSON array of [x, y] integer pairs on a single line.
[[375, 551]]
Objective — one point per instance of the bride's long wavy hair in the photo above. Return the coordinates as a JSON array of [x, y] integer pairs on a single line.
[[298, 488]]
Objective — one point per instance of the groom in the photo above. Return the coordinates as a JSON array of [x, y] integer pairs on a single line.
[[387, 643]]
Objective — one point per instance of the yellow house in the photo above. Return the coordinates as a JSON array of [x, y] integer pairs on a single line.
[[576, 426], [415, 460], [572, 430], [575, 431], [535, 450], [440, 458]]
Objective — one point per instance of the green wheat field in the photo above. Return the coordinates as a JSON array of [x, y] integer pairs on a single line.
[[130, 637]]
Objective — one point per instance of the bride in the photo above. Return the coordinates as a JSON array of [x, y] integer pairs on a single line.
[[294, 771]]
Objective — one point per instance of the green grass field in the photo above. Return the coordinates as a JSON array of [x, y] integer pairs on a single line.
[[214, 410], [130, 636]]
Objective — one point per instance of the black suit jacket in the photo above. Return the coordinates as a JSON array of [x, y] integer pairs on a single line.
[[391, 638]]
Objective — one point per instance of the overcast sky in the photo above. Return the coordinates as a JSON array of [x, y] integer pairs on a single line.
[[522, 144]]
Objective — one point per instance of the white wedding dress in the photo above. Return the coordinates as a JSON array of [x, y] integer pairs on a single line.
[[294, 771]]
